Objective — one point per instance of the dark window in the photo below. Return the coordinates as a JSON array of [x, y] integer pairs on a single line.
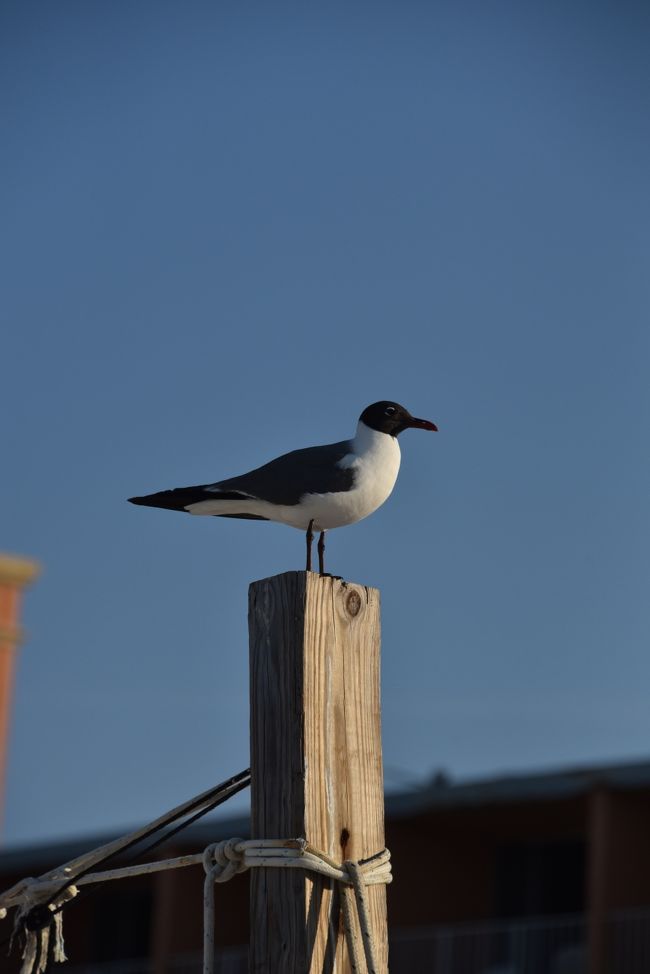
[[536, 878], [121, 925]]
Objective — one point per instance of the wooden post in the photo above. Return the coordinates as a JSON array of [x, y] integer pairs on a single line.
[[316, 763]]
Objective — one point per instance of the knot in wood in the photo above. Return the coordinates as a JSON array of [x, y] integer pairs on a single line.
[[353, 603]]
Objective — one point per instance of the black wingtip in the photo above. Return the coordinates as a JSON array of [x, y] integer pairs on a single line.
[[171, 500]]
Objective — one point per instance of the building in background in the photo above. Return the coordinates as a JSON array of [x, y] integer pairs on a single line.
[[527, 874]]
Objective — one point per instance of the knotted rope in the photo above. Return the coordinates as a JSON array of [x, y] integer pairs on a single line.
[[40, 901], [223, 860]]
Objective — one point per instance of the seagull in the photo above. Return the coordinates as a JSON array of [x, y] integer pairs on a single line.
[[315, 489]]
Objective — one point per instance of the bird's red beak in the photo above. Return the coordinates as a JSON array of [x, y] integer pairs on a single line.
[[422, 424]]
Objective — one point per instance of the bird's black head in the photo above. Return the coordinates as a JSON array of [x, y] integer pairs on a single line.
[[390, 417]]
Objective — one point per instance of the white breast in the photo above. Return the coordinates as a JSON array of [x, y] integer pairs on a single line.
[[375, 459]]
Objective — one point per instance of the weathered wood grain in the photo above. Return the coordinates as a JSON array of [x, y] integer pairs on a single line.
[[316, 762]]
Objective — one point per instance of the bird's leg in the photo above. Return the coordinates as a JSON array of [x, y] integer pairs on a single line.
[[309, 538], [321, 553]]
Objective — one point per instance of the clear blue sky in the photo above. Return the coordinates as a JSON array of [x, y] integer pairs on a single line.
[[228, 227]]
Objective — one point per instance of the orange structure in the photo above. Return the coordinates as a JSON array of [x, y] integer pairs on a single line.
[[15, 574]]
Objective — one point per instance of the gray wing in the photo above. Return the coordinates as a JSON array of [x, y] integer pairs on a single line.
[[314, 470]]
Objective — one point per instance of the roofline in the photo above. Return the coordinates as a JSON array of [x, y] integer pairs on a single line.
[[515, 787], [441, 793]]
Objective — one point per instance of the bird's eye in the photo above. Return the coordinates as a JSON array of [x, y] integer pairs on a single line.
[[390, 411]]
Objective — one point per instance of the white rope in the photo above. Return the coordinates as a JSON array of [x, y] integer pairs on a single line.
[[14, 895], [359, 884], [45, 886], [351, 935], [223, 860]]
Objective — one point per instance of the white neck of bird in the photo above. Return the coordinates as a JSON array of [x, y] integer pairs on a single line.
[[367, 440]]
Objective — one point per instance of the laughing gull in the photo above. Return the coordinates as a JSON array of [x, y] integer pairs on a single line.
[[315, 489]]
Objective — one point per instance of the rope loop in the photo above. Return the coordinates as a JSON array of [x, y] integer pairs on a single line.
[[223, 860], [39, 916]]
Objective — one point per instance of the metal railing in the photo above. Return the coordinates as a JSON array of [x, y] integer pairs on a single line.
[[228, 960], [546, 945], [543, 945], [628, 942]]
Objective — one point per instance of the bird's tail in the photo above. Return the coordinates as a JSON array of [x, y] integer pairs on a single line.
[[173, 500]]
